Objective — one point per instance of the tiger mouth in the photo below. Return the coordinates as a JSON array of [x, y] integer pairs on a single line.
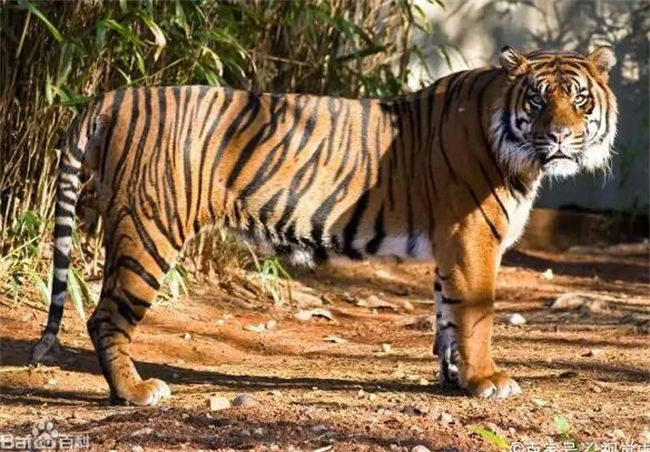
[[557, 156]]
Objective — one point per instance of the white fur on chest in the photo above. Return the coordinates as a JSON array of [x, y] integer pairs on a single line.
[[519, 213]]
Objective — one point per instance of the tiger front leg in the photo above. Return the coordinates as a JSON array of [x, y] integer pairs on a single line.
[[464, 295]]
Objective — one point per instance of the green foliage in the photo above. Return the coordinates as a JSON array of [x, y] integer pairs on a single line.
[[562, 425], [175, 284], [272, 275], [492, 437]]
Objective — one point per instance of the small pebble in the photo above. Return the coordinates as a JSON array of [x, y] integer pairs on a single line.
[[539, 402], [423, 382], [420, 448], [187, 336], [271, 325], [143, 431], [220, 322], [568, 374], [445, 418], [216, 403], [255, 328], [137, 449], [594, 352], [548, 274], [516, 319], [386, 348], [319, 428], [568, 301], [617, 434], [245, 401]]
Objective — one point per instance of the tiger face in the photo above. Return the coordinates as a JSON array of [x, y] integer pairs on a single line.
[[558, 115]]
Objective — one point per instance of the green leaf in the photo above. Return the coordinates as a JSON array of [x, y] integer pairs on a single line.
[[124, 31], [65, 63], [49, 89], [491, 437], [100, 35], [35, 11], [41, 285], [76, 296], [562, 424], [140, 62], [157, 32], [86, 292]]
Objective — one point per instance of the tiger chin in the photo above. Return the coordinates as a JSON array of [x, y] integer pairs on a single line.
[[449, 172]]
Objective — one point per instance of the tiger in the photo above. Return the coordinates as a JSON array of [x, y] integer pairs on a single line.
[[448, 173]]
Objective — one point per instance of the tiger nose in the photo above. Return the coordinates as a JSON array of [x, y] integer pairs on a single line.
[[559, 134]]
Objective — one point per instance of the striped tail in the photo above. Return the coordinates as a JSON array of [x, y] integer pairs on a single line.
[[67, 193]]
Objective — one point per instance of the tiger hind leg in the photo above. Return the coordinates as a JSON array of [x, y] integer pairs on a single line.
[[132, 278]]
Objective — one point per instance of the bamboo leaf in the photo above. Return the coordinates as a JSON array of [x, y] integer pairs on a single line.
[[41, 286], [86, 292], [35, 11], [76, 296], [124, 31], [100, 35], [158, 34], [49, 89]]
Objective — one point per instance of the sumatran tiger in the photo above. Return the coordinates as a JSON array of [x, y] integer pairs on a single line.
[[450, 171]]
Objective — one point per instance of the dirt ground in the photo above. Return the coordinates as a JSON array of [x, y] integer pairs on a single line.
[[590, 364]]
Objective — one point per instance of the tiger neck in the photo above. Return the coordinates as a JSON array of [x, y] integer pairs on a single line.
[[522, 182]]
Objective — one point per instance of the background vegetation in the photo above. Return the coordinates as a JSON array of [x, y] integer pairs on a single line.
[[56, 55]]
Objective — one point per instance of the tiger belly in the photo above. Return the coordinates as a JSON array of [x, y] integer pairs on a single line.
[[415, 247]]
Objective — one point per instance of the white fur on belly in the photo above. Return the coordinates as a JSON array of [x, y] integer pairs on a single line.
[[396, 246]]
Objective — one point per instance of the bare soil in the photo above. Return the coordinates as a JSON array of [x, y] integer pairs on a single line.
[[590, 364]]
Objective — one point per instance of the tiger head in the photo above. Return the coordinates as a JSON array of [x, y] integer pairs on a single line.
[[558, 114]]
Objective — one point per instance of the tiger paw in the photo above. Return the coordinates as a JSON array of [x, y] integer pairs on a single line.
[[146, 393], [498, 385]]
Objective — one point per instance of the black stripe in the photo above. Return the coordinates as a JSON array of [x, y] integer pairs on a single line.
[[350, 230], [446, 300], [148, 243], [380, 233], [266, 131], [189, 113], [135, 300], [493, 191], [493, 229], [447, 326], [137, 268]]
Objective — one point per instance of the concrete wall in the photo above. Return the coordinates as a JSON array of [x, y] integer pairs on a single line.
[[470, 33]]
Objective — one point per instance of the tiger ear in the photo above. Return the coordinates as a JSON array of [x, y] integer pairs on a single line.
[[513, 62], [604, 59]]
